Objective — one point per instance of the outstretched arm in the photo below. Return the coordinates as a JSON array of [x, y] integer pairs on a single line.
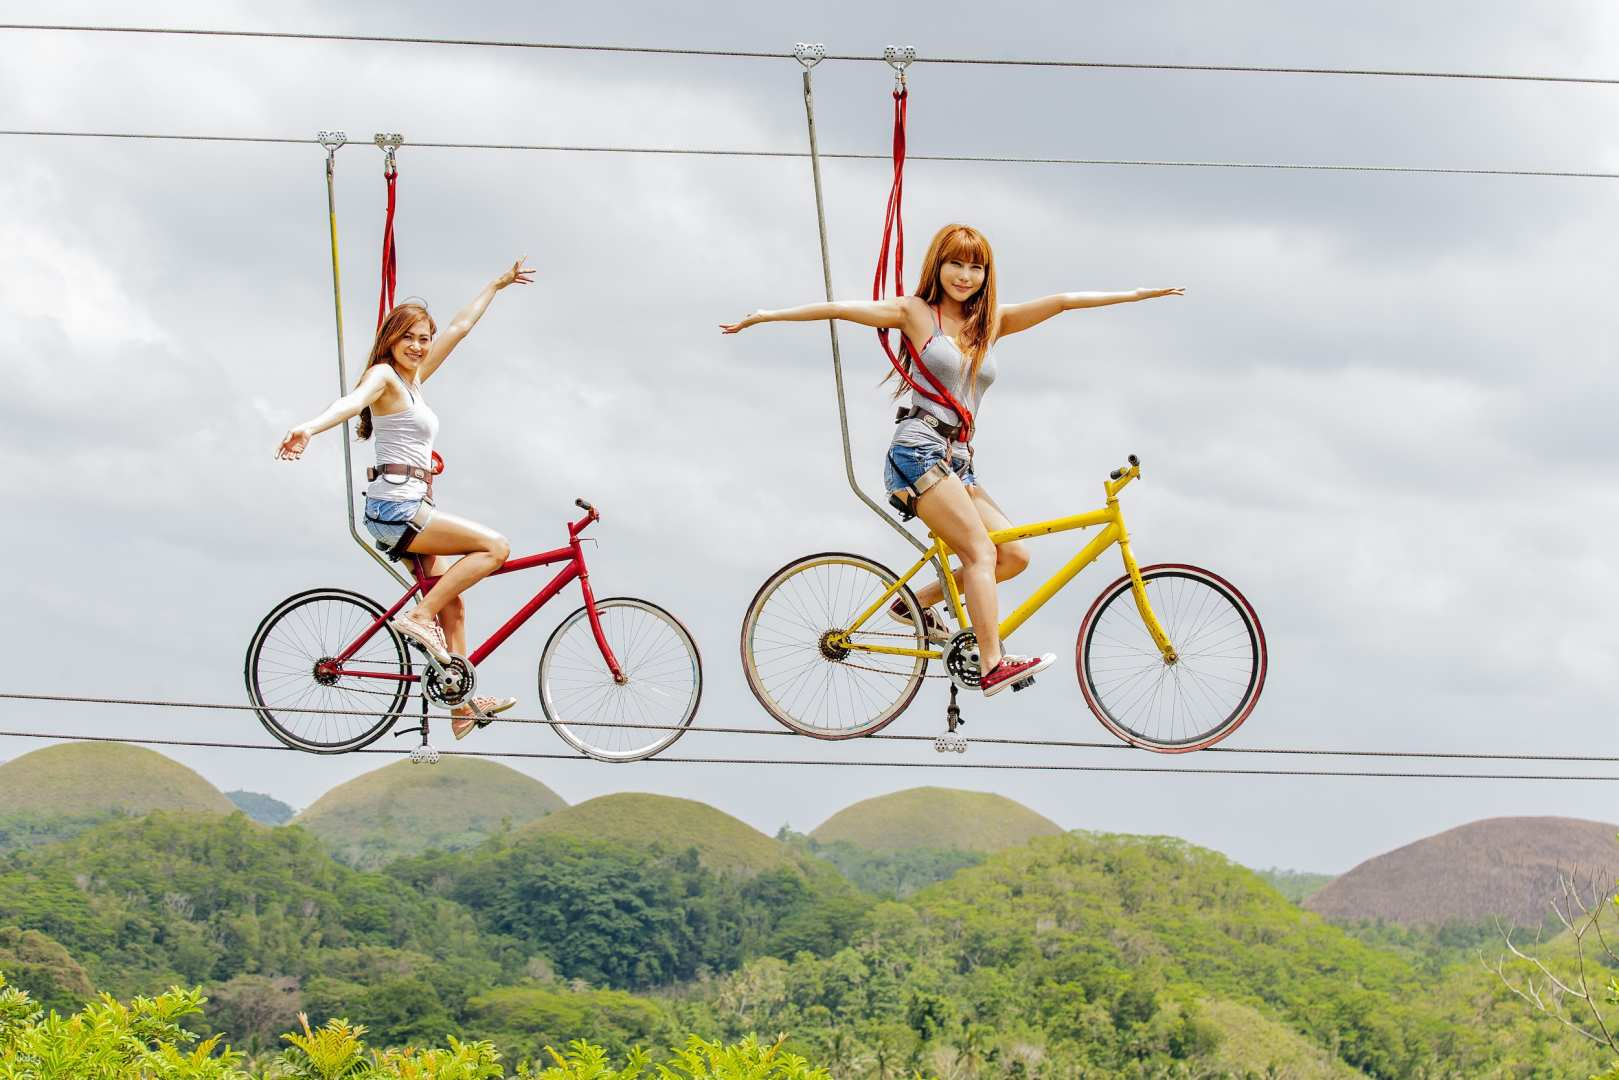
[[1015, 317], [892, 314], [468, 317], [372, 384]]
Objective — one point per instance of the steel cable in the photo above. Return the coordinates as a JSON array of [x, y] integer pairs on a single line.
[[757, 54]]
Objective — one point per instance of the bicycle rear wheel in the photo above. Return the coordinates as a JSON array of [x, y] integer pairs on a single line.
[[1208, 691], [807, 683], [612, 721], [285, 672]]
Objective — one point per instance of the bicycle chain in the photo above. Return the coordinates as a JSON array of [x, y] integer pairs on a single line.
[[886, 671]]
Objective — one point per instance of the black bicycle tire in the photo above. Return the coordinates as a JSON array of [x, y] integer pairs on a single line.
[[559, 725], [265, 712], [747, 669], [1245, 707]]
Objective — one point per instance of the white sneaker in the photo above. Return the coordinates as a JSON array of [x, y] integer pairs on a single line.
[[932, 621]]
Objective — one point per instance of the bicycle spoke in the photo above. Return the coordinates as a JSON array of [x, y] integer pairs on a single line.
[[1194, 700]]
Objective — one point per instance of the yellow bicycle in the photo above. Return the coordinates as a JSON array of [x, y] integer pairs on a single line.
[[1170, 657]]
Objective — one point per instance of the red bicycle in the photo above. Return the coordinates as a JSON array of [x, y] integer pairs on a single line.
[[620, 679]]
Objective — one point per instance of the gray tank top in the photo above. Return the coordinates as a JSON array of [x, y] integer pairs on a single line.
[[941, 357], [404, 438]]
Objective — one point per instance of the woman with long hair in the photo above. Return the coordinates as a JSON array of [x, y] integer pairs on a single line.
[[952, 323], [399, 509]]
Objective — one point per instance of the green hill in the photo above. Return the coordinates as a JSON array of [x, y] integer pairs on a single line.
[[81, 778], [723, 842], [935, 818], [1092, 955], [406, 809]]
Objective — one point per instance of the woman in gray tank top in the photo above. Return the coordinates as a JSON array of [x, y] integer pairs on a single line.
[[952, 323], [399, 510]]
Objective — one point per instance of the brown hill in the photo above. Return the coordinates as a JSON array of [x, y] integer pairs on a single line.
[[1503, 868]]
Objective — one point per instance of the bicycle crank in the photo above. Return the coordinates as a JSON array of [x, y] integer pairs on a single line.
[[449, 684], [961, 659]]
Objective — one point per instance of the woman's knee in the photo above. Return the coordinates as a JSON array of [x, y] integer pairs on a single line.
[[498, 547], [978, 555], [1011, 559]]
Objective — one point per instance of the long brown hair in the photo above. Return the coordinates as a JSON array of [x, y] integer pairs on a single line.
[[964, 244], [395, 325]]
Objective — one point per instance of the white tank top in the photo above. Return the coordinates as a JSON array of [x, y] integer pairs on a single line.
[[403, 438]]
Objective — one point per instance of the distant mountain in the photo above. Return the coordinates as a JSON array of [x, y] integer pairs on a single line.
[[404, 809], [935, 818], [1296, 885], [723, 842], [262, 808], [1497, 868], [83, 778]]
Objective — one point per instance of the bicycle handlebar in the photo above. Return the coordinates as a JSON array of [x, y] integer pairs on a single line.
[[1116, 473], [581, 504]]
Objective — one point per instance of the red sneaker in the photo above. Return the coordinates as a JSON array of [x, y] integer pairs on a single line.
[[1012, 670]]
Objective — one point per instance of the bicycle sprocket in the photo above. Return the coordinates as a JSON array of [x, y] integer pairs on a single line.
[[961, 659]]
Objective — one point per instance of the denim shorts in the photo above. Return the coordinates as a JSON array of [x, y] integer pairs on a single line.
[[386, 519], [906, 465]]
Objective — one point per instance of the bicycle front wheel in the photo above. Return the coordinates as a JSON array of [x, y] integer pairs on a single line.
[[611, 720], [802, 676], [1210, 688], [291, 667]]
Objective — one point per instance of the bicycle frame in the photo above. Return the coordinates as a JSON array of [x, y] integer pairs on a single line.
[[1113, 532], [573, 556]]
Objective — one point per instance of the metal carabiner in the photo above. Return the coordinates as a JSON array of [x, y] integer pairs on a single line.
[[899, 58], [388, 143]]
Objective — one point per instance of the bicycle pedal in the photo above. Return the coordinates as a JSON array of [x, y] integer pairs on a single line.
[[1023, 684]]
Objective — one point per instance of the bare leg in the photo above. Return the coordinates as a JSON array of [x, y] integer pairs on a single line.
[[949, 511], [1011, 558], [484, 551]]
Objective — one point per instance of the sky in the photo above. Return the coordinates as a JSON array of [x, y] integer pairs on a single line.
[[1383, 407]]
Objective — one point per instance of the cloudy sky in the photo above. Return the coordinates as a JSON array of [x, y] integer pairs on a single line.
[[1383, 408]]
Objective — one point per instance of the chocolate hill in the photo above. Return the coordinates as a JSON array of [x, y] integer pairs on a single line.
[[1503, 868]]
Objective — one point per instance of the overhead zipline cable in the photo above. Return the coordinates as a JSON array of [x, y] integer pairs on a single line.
[[1447, 755], [835, 763], [749, 54], [983, 159]]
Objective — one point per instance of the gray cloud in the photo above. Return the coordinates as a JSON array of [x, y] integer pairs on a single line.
[[1382, 408]]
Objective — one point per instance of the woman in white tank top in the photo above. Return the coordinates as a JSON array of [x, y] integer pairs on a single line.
[[389, 402], [951, 323]]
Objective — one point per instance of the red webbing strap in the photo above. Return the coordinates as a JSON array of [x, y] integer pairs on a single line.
[[390, 256], [894, 240]]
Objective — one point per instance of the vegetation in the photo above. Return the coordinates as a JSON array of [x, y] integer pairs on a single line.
[[39, 965], [634, 917], [260, 807], [891, 875], [1296, 885], [404, 809], [657, 821], [935, 819], [1070, 955], [60, 791], [147, 1039]]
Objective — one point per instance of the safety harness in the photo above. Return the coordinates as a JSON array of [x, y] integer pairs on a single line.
[[906, 360]]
